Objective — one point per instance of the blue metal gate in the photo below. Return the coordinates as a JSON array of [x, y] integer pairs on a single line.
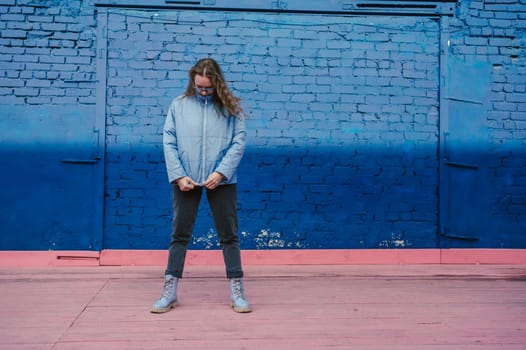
[[465, 187], [51, 178]]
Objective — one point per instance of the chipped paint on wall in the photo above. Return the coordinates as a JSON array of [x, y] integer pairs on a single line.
[[271, 239], [206, 241], [396, 241]]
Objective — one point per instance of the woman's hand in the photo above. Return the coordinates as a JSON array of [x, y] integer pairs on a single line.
[[186, 184], [213, 180]]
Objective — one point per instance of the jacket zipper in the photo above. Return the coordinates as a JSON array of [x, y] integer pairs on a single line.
[[203, 148]]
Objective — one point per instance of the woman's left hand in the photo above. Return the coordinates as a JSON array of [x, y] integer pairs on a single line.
[[213, 180]]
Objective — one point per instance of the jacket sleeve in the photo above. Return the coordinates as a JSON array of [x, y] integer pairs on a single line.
[[232, 158], [174, 167]]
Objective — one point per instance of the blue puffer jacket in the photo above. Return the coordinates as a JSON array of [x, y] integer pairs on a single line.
[[199, 140]]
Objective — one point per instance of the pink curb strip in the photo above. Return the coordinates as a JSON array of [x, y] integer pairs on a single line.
[[111, 257]]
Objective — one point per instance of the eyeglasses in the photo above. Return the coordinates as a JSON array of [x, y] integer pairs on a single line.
[[201, 89]]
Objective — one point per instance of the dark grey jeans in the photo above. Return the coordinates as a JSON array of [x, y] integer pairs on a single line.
[[223, 204]]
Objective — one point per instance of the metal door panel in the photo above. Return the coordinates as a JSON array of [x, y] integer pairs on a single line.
[[49, 155], [464, 191]]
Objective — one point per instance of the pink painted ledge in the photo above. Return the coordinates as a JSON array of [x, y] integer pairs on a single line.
[[111, 257]]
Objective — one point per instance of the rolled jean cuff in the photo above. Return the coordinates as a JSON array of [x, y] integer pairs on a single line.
[[234, 274]]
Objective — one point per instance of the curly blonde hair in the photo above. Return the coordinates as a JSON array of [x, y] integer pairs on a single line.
[[223, 97]]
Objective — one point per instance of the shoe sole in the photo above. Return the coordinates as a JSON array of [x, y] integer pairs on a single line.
[[163, 309], [241, 310]]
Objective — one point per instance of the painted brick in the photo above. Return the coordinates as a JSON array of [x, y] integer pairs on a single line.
[[65, 19], [11, 82], [25, 92], [38, 83], [12, 33], [80, 60]]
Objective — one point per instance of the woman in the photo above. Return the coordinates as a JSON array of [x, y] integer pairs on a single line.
[[204, 139]]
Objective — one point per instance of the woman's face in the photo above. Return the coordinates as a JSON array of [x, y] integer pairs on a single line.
[[203, 85]]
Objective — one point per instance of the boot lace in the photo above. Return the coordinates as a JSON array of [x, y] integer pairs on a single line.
[[167, 288], [237, 289]]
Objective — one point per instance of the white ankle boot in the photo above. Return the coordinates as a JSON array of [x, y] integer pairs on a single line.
[[168, 299], [237, 296]]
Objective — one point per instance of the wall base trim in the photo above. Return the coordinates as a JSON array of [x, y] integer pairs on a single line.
[[116, 257]]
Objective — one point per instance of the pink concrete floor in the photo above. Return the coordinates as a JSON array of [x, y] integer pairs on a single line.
[[391, 307]]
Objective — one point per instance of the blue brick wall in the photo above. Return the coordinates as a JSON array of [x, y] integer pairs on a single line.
[[343, 115], [342, 126]]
